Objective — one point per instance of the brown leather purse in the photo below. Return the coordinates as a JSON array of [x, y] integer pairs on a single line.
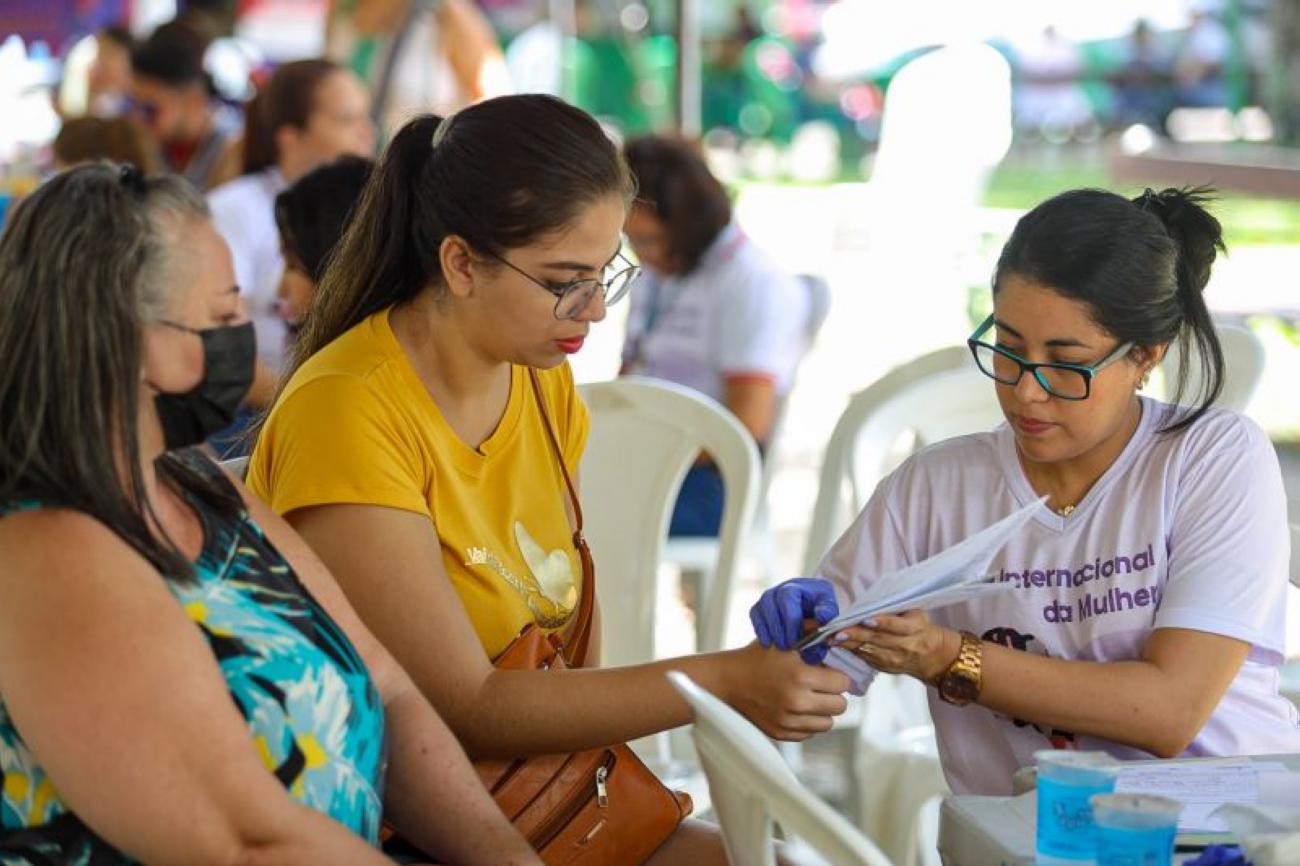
[[596, 806]]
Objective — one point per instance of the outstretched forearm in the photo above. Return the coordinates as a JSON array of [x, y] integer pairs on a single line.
[[1158, 702]]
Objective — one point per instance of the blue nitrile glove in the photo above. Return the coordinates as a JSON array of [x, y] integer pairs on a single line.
[[1220, 855], [779, 613]]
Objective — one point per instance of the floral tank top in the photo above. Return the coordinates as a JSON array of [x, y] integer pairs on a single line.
[[312, 711]]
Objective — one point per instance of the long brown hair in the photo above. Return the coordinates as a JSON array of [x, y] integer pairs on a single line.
[[85, 260], [675, 184], [499, 174], [288, 99]]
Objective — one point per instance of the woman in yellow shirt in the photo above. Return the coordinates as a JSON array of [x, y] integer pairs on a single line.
[[409, 449]]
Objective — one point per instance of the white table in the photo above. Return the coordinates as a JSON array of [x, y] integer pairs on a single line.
[[999, 831]]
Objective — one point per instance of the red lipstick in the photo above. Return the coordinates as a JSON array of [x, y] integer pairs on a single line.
[[571, 346]]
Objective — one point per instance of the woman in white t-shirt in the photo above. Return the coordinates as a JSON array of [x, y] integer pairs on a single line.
[[1144, 604], [311, 112], [710, 311]]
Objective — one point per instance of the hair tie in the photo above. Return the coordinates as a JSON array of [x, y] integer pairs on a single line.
[[440, 133], [1148, 198], [132, 179]]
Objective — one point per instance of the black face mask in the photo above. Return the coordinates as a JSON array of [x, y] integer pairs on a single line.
[[229, 359]]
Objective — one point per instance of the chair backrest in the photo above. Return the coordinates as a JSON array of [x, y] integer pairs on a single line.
[[946, 125], [819, 308], [934, 397], [819, 305], [645, 434], [236, 466], [751, 784], [1243, 366], [1295, 554]]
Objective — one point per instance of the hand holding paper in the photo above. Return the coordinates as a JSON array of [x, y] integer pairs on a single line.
[[779, 615], [950, 576]]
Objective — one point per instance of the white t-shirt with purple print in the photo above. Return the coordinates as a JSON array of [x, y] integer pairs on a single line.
[[1185, 530]]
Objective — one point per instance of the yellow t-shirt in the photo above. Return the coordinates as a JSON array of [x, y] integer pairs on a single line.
[[356, 425]]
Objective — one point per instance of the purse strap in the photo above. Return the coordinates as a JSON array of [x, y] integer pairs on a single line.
[[575, 645]]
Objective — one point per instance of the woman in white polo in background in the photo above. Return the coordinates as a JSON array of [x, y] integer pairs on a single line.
[[1144, 607], [711, 310]]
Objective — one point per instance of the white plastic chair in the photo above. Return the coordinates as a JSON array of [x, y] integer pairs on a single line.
[[934, 397], [946, 126], [1289, 673], [700, 556], [1295, 555], [751, 785], [645, 434], [1243, 364]]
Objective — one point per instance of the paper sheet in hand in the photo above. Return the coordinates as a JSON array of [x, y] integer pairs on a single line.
[[952, 575]]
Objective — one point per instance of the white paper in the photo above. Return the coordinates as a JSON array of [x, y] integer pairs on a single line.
[[1201, 787], [952, 575]]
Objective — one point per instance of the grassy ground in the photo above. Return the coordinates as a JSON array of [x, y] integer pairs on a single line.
[[1023, 181]]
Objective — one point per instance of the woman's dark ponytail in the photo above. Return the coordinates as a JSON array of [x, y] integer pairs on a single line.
[[1198, 237], [389, 251]]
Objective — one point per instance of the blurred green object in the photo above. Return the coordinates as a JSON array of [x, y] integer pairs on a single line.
[[630, 82], [748, 98]]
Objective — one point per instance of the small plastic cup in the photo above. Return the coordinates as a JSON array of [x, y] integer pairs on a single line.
[[1135, 829], [1066, 781]]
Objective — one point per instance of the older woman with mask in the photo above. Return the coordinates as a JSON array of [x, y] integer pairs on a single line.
[[210, 696]]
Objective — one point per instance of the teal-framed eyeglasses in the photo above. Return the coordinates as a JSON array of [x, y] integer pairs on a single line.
[[1067, 381], [572, 297]]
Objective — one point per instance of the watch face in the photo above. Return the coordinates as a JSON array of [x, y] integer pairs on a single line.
[[957, 688]]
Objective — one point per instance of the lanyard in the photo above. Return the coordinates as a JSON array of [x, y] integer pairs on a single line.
[[661, 303]]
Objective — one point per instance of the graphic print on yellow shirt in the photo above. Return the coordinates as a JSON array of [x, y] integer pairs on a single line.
[[356, 425], [549, 588]]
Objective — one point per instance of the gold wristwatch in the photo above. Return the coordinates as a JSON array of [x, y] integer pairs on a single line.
[[960, 684]]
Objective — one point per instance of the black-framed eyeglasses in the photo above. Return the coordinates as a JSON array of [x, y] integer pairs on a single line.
[[572, 297], [1067, 381]]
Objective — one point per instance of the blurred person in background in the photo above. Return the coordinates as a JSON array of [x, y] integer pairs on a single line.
[[310, 112], [87, 139], [1049, 99], [417, 56], [311, 216], [108, 79], [711, 310], [1144, 82], [181, 680], [1202, 56], [197, 137], [211, 19]]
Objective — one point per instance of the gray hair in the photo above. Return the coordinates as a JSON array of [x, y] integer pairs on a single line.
[[170, 203], [85, 260]]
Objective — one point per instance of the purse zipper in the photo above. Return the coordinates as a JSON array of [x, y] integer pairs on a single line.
[[600, 791]]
